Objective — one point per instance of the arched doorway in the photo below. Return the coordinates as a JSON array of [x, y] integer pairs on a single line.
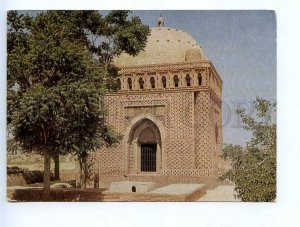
[[148, 147], [144, 147]]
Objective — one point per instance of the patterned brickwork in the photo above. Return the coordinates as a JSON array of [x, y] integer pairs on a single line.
[[178, 121], [165, 67], [190, 145], [110, 161], [131, 159], [203, 131], [187, 172], [180, 154]]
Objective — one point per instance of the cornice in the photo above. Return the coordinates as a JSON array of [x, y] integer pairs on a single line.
[[165, 67]]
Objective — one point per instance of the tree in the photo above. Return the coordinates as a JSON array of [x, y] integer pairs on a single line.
[[107, 37], [254, 168], [116, 34], [54, 85]]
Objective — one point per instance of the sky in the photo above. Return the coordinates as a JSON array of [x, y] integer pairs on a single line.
[[241, 46]]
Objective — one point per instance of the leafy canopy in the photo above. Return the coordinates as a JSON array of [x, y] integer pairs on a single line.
[[56, 76]]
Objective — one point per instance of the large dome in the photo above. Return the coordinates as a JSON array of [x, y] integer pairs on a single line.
[[165, 45]]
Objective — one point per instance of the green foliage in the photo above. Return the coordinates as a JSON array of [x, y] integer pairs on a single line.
[[118, 33], [254, 168], [56, 77], [57, 84]]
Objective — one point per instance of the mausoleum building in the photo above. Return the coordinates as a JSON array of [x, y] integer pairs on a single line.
[[168, 110]]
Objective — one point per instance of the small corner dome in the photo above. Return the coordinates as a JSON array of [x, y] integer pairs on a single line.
[[192, 55], [164, 46], [160, 22]]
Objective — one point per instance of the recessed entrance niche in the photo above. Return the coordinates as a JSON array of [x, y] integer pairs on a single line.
[[144, 148]]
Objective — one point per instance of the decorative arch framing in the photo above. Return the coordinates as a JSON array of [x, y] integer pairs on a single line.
[[141, 117], [133, 145]]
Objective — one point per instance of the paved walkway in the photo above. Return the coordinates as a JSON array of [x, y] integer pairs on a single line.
[[220, 194], [179, 189]]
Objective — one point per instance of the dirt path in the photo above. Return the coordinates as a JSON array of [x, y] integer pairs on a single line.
[[220, 193]]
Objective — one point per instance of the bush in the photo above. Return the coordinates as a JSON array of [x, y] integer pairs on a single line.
[[254, 167]]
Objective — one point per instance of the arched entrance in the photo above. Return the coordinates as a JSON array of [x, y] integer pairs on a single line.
[[144, 147]]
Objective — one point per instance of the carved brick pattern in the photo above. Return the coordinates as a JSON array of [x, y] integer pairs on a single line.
[[203, 131], [187, 172], [110, 161], [159, 68], [147, 135], [180, 154], [111, 172], [131, 159], [179, 121], [133, 111]]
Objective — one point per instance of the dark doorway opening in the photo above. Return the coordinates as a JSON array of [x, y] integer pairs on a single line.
[[133, 189], [148, 157]]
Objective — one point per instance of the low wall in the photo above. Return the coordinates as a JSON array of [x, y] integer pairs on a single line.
[[97, 195], [19, 177], [62, 194]]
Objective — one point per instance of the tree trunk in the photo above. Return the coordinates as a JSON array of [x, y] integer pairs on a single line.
[[56, 167], [83, 172], [105, 72], [46, 188], [96, 180]]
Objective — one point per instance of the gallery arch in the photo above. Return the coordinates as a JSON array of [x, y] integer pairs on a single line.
[[176, 81], [188, 80], [129, 81], [164, 81], [141, 83], [152, 81]]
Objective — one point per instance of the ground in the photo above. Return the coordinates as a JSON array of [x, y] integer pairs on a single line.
[[223, 193], [68, 172]]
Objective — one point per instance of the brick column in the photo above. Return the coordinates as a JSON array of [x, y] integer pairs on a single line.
[[170, 82], [203, 131]]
